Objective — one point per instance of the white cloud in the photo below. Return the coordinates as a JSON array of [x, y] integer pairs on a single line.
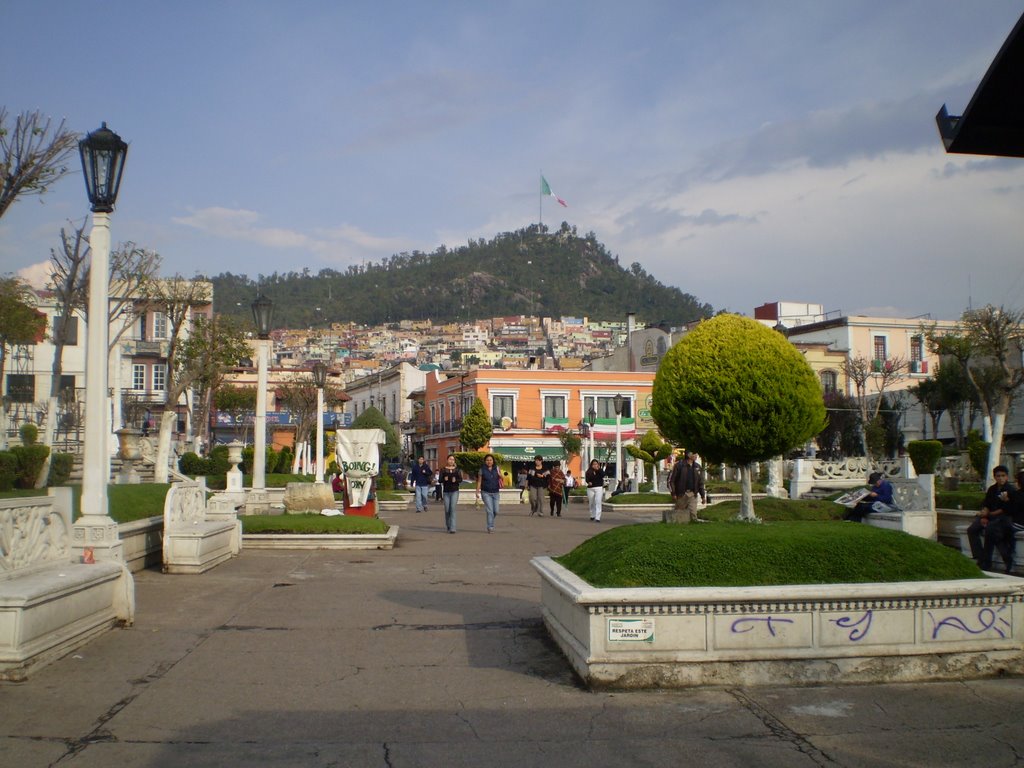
[[37, 275]]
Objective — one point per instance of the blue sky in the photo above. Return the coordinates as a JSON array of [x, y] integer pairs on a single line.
[[743, 151]]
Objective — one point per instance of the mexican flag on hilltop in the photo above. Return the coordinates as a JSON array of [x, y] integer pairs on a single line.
[[545, 189]]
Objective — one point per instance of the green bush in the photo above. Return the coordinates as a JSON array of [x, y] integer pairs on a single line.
[[247, 457], [193, 465], [30, 459], [284, 461], [8, 470], [977, 452], [385, 482], [60, 469], [924, 454], [29, 433], [218, 457]]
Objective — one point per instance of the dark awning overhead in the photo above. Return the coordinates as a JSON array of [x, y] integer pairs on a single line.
[[993, 123]]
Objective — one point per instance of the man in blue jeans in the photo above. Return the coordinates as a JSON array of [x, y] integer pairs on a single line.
[[421, 477]]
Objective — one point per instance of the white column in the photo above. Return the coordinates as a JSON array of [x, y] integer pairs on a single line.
[[95, 530], [618, 451], [259, 459], [319, 462]]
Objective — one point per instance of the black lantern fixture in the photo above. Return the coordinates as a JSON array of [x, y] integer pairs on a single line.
[[319, 374], [591, 417], [262, 312], [103, 154], [617, 403]]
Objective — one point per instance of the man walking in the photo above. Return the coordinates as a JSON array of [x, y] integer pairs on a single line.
[[686, 484], [421, 476]]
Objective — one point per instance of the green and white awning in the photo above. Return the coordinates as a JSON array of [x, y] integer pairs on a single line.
[[527, 453]]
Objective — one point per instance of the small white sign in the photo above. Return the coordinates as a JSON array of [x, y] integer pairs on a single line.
[[631, 630]]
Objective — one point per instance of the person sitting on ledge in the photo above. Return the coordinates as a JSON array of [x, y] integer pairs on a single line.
[[881, 493]]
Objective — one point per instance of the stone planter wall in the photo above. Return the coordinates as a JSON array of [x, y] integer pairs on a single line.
[[808, 634]]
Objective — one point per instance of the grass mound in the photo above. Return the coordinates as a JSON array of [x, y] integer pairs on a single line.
[[741, 554], [311, 524]]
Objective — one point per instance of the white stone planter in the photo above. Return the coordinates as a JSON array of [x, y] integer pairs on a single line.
[[321, 541], [802, 634]]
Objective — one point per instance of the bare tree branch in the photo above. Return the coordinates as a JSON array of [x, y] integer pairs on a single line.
[[32, 156]]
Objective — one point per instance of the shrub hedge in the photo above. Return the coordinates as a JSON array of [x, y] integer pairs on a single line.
[[60, 469]]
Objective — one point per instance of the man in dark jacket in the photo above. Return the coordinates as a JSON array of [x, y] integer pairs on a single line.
[[686, 484], [421, 476], [995, 521]]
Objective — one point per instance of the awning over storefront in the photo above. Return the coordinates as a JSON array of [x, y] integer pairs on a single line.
[[527, 453]]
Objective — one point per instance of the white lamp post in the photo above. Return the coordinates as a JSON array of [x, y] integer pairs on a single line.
[[95, 534], [617, 403], [262, 312], [320, 379], [591, 420]]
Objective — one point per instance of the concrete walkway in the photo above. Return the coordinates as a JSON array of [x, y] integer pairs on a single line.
[[434, 654]]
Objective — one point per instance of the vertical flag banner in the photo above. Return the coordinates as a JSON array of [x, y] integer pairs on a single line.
[[545, 189]]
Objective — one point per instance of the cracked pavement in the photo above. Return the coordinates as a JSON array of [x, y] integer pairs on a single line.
[[434, 654]]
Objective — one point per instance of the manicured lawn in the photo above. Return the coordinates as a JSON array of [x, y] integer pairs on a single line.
[[311, 524], [126, 502], [743, 554], [773, 510]]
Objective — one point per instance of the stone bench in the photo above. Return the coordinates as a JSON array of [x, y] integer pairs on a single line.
[[916, 514], [997, 561], [197, 539], [50, 602]]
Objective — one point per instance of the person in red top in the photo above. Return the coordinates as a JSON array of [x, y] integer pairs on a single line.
[[556, 486]]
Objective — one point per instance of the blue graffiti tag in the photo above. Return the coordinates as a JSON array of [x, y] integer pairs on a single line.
[[987, 619], [847, 622], [770, 621]]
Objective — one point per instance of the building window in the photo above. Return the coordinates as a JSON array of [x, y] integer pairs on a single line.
[[159, 325], [159, 377], [71, 334], [554, 407], [502, 407], [916, 349], [67, 383], [829, 382], [21, 387], [879, 346], [138, 376], [605, 407]]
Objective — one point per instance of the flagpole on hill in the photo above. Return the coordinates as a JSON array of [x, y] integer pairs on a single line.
[[540, 201]]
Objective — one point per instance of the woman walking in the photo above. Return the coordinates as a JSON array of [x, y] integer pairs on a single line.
[[488, 488], [451, 479], [595, 489], [556, 487], [537, 479]]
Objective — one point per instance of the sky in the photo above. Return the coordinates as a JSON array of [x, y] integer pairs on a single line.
[[743, 151]]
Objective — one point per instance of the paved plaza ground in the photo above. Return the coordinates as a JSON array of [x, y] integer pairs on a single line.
[[434, 654]]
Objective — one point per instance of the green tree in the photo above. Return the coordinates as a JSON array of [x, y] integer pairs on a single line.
[[20, 323], [236, 402], [651, 451], [476, 427], [371, 418], [737, 391], [571, 442]]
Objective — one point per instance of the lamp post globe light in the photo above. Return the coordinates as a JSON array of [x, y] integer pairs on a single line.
[[617, 402], [320, 379], [262, 314], [103, 153]]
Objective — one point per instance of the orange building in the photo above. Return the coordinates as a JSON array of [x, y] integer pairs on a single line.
[[528, 409]]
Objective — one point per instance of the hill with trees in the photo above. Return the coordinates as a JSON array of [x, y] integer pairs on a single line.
[[531, 271]]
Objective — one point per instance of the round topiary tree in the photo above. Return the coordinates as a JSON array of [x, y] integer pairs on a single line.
[[476, 427], [737, 391], [371, 418]]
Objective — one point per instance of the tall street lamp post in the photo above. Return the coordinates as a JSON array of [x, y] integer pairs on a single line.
[[95, 534], [320, 379], [617, 403], [262, 313], [591, 420]]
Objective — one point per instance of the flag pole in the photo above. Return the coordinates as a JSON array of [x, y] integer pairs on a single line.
[[540, 203]]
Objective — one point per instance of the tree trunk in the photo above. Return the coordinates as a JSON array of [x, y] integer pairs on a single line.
[[163, 446], [995, 448], [48, 434], [747, 497]]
